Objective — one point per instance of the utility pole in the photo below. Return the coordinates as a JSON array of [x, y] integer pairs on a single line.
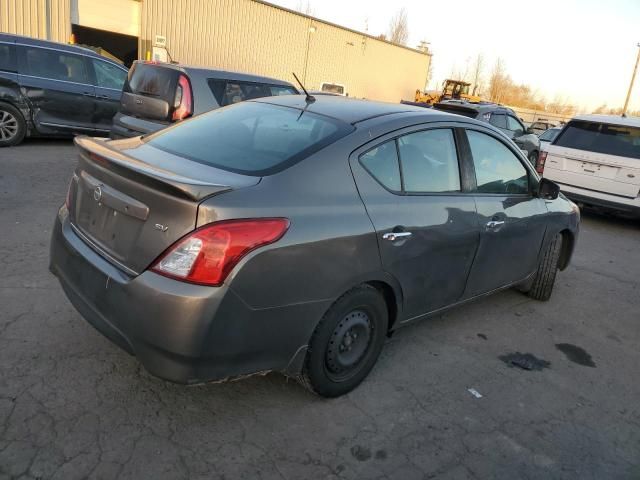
[[633, 79]]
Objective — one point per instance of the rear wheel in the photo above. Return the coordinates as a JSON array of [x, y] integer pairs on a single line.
[[545, 277], [12, 126], [346, 343]]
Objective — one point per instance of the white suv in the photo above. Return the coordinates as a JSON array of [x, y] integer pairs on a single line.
[[596, 161]]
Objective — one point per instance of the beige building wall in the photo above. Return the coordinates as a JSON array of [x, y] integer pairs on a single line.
[[48, 20], [251, 36]]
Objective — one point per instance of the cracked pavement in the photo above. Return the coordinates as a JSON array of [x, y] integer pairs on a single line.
[[74, 406]]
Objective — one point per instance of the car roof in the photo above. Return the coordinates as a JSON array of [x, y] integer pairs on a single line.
[[610, 119], [36, 42], [349, 110], [205, 72]]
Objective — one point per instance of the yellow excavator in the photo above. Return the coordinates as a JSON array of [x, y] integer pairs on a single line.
[[451, 89]]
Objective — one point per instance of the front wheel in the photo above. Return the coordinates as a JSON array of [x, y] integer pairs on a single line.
[[545, 276], [346, 343]]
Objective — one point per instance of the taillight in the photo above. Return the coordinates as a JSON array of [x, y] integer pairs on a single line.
[[207, 255], [182, 103], [542, 158]]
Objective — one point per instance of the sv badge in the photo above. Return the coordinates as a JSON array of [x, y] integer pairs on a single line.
[[161, 227]]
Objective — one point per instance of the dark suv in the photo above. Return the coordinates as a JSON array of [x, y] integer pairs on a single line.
[[156, 95], [52, 89], [500, 117]]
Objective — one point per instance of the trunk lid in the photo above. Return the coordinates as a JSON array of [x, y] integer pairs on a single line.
[[131, 201]]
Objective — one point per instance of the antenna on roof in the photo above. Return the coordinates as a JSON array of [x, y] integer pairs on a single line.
[[309, 98]]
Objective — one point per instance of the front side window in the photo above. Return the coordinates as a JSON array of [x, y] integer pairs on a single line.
[[8, 58], [250, 138], [108, 75], [498, 120], [497, 168], [382, 163], [601, 138], [549, 135], [55, 65], [514, 125], [429, 161]]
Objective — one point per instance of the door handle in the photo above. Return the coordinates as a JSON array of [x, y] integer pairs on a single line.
[[104, 96], [495, 223], [88, 94], [393, 236]]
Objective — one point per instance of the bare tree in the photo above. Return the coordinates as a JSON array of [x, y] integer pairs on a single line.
[[304, 7], [498, 81], [478, 67], [399, 28]]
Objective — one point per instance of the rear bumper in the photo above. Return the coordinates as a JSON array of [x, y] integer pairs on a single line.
[[126, 126], [180, 332], [602, 200]]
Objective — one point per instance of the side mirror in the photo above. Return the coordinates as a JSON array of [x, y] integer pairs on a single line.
[[529, 130], [548, 190]]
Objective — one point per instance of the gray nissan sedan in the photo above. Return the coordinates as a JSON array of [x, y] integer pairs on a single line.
[[295, 234]]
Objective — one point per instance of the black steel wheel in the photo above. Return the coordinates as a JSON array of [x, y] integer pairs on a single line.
[[346, 343]]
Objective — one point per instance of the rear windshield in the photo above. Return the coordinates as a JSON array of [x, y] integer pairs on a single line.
[[153, 81], [250, 137], [332, 88], [549, 135], [601, 138]]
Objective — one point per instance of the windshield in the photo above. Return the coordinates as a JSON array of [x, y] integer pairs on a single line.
[[250, 137], [601, 138], [549, 135]]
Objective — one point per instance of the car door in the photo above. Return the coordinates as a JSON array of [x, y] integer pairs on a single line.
[[108, 80], [427, 229], [512, 219], [57, 85]]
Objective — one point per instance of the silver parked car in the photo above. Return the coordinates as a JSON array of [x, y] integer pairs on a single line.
[[294, 234]]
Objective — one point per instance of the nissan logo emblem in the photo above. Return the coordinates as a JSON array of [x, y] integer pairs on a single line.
[[97, 194]]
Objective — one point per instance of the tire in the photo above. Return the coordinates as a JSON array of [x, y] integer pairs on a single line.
[[346, 343], [533, 158], [12, 126], [545, 277]]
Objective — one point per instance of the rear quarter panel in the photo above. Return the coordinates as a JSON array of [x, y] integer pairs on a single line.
[[330, 245]]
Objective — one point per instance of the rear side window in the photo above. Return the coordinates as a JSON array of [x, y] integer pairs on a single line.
[[153, 81], [55, 65], [497, 169], [382, 164], [429, 162], [228, 92], [251, 138], [498, 120], [108, 75], [601, 138], [8, 58]]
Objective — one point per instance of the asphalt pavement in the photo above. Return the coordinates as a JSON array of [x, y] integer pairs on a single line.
[[506, 387]]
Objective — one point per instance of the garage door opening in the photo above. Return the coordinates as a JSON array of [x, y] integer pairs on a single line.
[[122, 47]]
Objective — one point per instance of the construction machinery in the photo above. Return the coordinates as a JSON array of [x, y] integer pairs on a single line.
[[451, 90]]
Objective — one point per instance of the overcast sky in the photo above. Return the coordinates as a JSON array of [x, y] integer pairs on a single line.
[[584, 50]]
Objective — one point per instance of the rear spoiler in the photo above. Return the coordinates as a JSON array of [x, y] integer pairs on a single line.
[[99, 151]]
